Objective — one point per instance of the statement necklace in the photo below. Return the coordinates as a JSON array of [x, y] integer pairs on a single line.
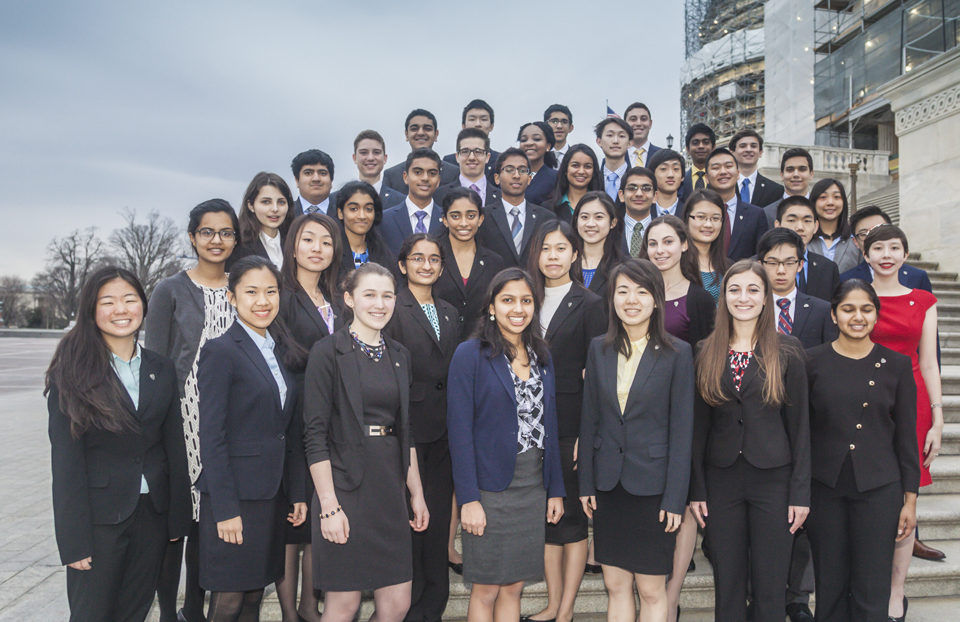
[[374, 352]]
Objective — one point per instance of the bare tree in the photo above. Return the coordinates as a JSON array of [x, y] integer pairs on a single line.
[[150, 250], [12, 307], [69, 261]]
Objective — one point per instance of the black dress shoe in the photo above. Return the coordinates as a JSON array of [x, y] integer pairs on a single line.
[[457, 568], [593, 569], [181, 617], [799, 612], [529, 619], [692, 566]]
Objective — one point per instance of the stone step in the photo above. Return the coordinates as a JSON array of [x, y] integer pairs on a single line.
[[939, 516], [951, 408], [947, 297], [948, 309], [949, 340], [949, 356], [950, 324], [939, 286], [950, 379], [937, 275], [924, 265], [945, 472], [950, 441]]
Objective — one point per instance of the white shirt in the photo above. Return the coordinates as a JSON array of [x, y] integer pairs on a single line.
[[377, 186], [552, 298], [413, 210], [786, 195], [753, 184], [561, 153], [274, 248], [522, 215], [632, 154], [792, 309], [322, 207], [672, 210], [480, 183]]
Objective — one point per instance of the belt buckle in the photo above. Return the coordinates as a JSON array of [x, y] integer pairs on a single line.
[[378, 430]]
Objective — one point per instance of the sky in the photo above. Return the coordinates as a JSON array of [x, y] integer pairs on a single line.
[[159, 106]]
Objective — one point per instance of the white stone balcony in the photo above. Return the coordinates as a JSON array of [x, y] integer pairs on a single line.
[[873, 172]]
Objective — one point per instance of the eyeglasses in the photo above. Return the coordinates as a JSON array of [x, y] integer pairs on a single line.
[[558, 121], [225, 234], [510, 170], [465, 153], [773, 263], [701, 218], [419, 259], [632, 188]]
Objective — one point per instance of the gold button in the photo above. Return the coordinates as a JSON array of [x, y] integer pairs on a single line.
[[878, 364], [859, 426], [853, 446], [864, 404], [871, 383]]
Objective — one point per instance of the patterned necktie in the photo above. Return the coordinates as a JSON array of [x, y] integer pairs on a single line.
[[640, 153], [699, 185], [312, 209], [784, 323], [516, 227], [483, 199], [421, 214], [745, 191], [636, 240], [612, 179]]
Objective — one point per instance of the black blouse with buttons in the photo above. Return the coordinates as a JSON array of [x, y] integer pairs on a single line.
[[866, 408]]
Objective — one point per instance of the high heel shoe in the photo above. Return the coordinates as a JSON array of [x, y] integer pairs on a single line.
[[456, 567], [904, 616], [593, 569]]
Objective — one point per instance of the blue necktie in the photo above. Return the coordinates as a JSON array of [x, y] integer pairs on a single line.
[[612, 179], [421, 214], [745, 191], [516, 227]]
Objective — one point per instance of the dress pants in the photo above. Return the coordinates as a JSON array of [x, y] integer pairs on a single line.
[[747, 511], [852, 535], [123, 575], [431, 578], [800, 582]]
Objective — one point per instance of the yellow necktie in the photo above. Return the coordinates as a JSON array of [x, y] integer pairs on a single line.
[[640, 153]]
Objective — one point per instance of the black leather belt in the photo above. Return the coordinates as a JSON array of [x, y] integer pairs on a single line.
[[379, 430]]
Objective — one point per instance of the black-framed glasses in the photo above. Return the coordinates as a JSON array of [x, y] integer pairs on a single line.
[[788, 263], [465, 153], [225, 234]]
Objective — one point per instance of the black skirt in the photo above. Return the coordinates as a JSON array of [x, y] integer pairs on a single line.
[[573, 525], [628, 534], [303, 533]]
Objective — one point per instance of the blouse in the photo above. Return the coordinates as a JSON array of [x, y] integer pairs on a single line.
[[529, 395], [627, 369]]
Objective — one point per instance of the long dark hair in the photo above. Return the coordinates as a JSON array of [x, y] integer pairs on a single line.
[[487, 331], [374, 242], [646, 275], [549, 158], [771, 353], [718, 253], [328, 278], [90, 393], [843, 221], [536, 248], [249, 225], [612, 246], [291, 353], [690, 259], [563, 184]]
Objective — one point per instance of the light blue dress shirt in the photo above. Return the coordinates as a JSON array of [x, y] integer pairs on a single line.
[[129, 374], [266, 344]]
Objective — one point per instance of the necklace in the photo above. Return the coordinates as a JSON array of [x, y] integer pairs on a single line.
[[374, 352]]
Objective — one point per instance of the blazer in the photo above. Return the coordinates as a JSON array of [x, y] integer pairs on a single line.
[[174, 322], [491, 163], [388, 198], [765, 192], [823, 277], [771, 212], [749, 225], [580, 317], [333, 414], [302, 318], [381, 255], [331, 206], [467, 298], [541, 186], [410, 327], [909, 276], [812, 323], [875, 413], [492, 194], [393, 176], [847, 255], [702, 311], [255, 247], [647, 447], [482, 424], [495, 233], [767, 436], [96, 478], [396, 226], [250, 443], [598, 284]]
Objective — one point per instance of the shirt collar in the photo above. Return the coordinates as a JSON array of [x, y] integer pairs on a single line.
[[481, 183], [732, 203], [670, 209], [136, 356], [620, 171], [792, 297], [264, 342], [269, 242], [412, 209], [564, 150], [322, 205], [753, 181], [522, 207], [377, 186]]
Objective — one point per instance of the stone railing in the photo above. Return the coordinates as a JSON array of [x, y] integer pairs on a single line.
[[873, 170]]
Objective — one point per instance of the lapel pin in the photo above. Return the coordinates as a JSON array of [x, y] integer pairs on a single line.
[[656, 347], [741, 217], [806, 304], [446, 319], [911, 303], [569, 304], [481, 262], [814, 263], [397, 364], [152, 377], [883, 360]]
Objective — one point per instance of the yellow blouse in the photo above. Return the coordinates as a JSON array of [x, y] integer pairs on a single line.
[[627, 369]]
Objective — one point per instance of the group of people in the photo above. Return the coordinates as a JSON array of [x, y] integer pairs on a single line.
[[514, 345]]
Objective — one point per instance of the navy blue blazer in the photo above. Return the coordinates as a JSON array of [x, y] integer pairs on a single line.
[[396, 227], [909, 276], [388, 197], [541, 186], [812, 322], [250, 444], [482, 424], [766, 192], [750, 223]]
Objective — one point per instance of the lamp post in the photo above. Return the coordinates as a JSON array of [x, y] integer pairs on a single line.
[[669, 141], [853, 166]]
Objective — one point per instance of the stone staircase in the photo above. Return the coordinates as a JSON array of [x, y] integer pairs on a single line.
[[938, 506]]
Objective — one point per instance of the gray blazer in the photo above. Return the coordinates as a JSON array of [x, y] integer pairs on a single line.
[[847, 256], [174, 323], [648, 448]]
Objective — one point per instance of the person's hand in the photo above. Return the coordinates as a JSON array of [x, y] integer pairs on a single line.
[[589, 505], [83, 564], [673, 520], [554, 510], [908, 519], [931, 446], [472, 518], [298, 515], [796, 516], [335, 528], [699, 509], [576, 447], [421, 517], [231, 530]]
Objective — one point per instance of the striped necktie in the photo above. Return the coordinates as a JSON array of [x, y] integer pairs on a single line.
[[784, 323], [640, 153]]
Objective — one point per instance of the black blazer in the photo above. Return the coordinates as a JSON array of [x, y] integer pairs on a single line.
[[393, 176], [333, 414], [96, 478], [410, 327], [492, 194], [647, 447], [495, 231], [303, 319], [702, 311], [580, 317], [812, 323], [388, 198], [381, 255], [823, 276], [766, 436], [765, 192], [467, 299], [870, 414], [255, 247], [749, 226], [250, 444], [396, 227]]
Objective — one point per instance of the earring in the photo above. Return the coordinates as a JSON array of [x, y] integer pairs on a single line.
[[492, 317]]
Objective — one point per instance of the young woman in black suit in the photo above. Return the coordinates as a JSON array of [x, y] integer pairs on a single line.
[[310, 312], [705, 216], [750, 482], [252, 446], [636, 432], [360, 210], [570, 317], [264, 219], [579, 174], [429, 329], [599, 232], [362, 457], [121, 491], [866, 468]]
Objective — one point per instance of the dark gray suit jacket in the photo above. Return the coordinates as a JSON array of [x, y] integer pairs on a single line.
[[396, 226], [812, 323], [495, 231]]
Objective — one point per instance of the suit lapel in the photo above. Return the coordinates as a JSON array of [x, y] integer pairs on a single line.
[[651, 354], [304, 301], [567, 306], [253, 353], [350, 373], [493, 194], [148, 382], [449, 332], [403, 381], [435, 219], [753, 370], [599, 279], [530, 223], [500, 364], [801, 312], [737, 226], [401, 219], [407, 298], [499, 213]]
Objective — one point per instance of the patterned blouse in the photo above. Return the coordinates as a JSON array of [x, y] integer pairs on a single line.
[[529, 407], [739, 362]]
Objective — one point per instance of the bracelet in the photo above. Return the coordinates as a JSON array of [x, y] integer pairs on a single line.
[[937, 405], [332, 512]]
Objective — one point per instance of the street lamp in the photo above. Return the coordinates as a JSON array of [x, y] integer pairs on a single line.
[[669, 141]]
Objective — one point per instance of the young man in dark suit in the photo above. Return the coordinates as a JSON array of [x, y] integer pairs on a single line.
[[313, 172], [421, 131], [747, 221], [753, 188], [473, 156], [796, 173], [478, 114], [638, 117], [637, 195], [560, 120], [370, 156], [862, 221], [819, 276], [700, 141], [511, 222], [668, 166], [613, 138], [418, 213]]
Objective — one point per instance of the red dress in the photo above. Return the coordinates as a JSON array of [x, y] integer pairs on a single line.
[[899, 328]]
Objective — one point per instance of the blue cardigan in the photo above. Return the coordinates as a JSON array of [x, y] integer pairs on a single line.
[[482, 424]]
